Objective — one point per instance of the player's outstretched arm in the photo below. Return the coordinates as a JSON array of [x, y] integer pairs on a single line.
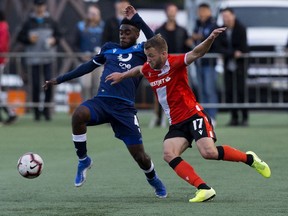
[[77, 72], [203, 47], [117, 77]]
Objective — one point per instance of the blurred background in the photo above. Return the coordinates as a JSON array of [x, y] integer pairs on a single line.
[[242, 81], [265, 74]]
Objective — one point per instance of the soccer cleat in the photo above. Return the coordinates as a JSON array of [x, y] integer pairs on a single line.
[[260, 166], [156, 183], [83, 166], [203, 195]]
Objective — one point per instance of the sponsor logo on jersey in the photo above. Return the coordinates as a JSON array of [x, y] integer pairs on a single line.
[[160, 81], [122, 59], [125, 66], [122, 64]]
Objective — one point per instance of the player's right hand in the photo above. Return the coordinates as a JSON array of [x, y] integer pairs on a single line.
[[115, 77], [49, 83]]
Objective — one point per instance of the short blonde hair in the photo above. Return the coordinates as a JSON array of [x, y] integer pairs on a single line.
[[157, 42]]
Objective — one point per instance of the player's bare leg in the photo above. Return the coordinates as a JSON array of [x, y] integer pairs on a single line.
[[173, 148], [140, 156], [144, 161], [208, 150], [80, 118]]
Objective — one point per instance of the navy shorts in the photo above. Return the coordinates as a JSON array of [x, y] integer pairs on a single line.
[[119, 113]]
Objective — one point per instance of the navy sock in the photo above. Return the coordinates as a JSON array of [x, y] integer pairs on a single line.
[[81, 149], [80, 145], [150, 173]]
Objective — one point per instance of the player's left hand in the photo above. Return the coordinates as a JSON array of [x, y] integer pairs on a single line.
[[217, 32], [115, 77], [49, 83], [129, 12]]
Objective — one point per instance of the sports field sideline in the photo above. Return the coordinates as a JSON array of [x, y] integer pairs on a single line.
[[116, 186]]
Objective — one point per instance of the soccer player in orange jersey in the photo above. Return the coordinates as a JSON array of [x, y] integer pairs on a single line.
[[167, 75]]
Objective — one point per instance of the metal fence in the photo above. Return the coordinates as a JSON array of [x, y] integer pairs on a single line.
[[266, 82]]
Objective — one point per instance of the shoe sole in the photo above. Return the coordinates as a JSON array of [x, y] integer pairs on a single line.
[[84, 175], [210, 198], [206, 200], [161, 197]]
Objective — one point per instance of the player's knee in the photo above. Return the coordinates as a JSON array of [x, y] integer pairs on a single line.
[[168, 156], [80, 115], [210, 154]]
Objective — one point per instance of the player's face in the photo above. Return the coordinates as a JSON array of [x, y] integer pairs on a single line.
[[155, 58], [128, 35]]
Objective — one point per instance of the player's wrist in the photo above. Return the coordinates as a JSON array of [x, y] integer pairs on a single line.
[[124, 75]]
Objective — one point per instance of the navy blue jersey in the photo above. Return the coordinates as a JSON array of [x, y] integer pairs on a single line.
[[117, 59]]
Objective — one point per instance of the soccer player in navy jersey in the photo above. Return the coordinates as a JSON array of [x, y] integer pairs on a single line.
[[114, 104]]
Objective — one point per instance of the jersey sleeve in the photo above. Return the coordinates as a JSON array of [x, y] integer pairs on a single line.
[[100, 59], [179, 60], [143, 26]]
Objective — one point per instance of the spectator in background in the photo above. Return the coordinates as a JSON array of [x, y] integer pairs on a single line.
[[178, 42], [206, 73], [89, 40], [40, 34], [4, 48], [232, 44], [175, 35], [112, 25]]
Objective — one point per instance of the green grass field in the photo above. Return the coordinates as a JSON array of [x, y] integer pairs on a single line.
[[115, 185]]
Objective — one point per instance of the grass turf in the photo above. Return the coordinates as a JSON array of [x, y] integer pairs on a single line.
[[116, 186]]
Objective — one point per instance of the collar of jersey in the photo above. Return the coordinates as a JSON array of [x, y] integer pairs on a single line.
[[117, 51], [165, 69]]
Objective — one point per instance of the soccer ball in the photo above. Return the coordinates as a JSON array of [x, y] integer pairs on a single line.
[[30, 165]]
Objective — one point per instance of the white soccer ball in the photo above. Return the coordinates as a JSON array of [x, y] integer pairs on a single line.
[[30, 165]]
